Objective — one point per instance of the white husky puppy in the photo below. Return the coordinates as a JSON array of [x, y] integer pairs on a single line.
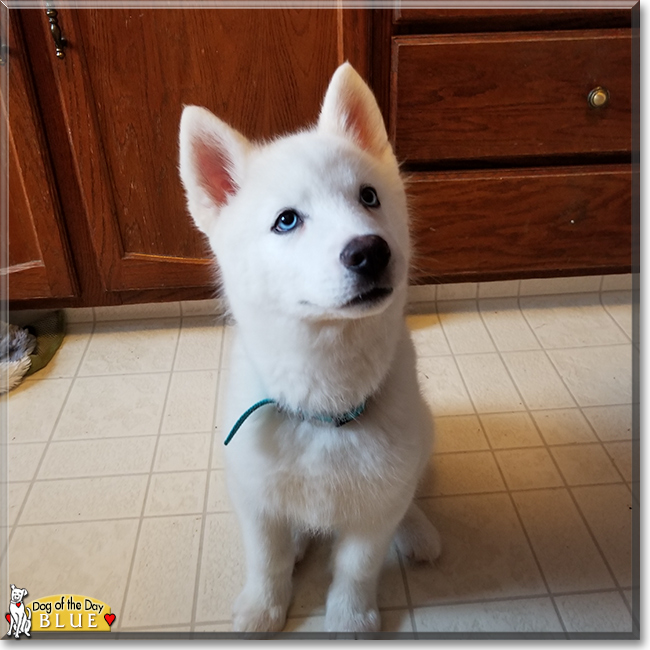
[[311, 237]]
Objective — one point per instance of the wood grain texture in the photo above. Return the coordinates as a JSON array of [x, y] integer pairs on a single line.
[[123, 84], [39, 263], [111, 112], [492, 96], [354, 39], [435, 19], [518, 223], [381, 59]]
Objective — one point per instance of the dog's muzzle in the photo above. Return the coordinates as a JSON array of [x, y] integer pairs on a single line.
[[368, 257]]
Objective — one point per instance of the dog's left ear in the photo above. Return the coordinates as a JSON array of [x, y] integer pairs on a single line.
[[212, 160], [24, 592], [350, 109]]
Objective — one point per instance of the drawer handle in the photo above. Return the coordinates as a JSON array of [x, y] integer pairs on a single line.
[[598, 97]]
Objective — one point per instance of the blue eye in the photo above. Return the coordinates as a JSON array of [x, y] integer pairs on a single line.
[[368, 196], [287, 221]]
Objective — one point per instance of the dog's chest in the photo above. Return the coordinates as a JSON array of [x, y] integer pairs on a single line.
[[332, 493], [338, 476]]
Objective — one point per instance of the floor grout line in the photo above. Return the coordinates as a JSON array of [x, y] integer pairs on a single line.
[[446, 454], [510, 491], [175, 515], [600, 297], [419, 497], [442, 417], [206, 495], [500, 470], [125, 475], [560, 445], [508, 599], [523, 349], [140, 372], [491, 449], [146, 492], [576, 505], [407, 592], [108, 438], [47, 443], [518, 490]]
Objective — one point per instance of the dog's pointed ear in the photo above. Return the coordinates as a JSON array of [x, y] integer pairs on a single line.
[[350, 109], [13, 586], [24, 592], [212, 159]]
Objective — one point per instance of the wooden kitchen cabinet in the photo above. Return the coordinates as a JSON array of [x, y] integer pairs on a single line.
[[512, 174], [114, 103], [514, 170], [122, 90], [510, 95], [518, 222], [39, 264]]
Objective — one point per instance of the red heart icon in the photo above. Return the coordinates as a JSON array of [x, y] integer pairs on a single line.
[[8, 617], [18, 604], [109, 618]]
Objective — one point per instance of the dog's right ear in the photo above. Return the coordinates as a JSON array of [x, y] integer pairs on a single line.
[[212, 159], [350, 110]]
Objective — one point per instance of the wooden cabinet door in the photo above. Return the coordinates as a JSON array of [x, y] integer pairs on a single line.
[[38, 263], [122, 85]]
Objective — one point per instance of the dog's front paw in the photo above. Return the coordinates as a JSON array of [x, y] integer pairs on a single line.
[[256, 614], [343, 618]]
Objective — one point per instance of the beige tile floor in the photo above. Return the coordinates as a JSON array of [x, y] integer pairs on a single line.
[[116, 487]]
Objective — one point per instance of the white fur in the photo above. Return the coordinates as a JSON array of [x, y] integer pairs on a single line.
[[297, 343]]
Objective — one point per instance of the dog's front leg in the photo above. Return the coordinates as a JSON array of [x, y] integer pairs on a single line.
[[352, 598], [269, 548]]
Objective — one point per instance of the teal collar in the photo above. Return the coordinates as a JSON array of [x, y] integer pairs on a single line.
[[337, 420]]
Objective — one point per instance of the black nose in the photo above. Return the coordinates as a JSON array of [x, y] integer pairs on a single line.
[[367, 255]]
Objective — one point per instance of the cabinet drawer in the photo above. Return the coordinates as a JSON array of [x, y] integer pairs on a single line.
[[517, 223], [505, 96], [435, 19]]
